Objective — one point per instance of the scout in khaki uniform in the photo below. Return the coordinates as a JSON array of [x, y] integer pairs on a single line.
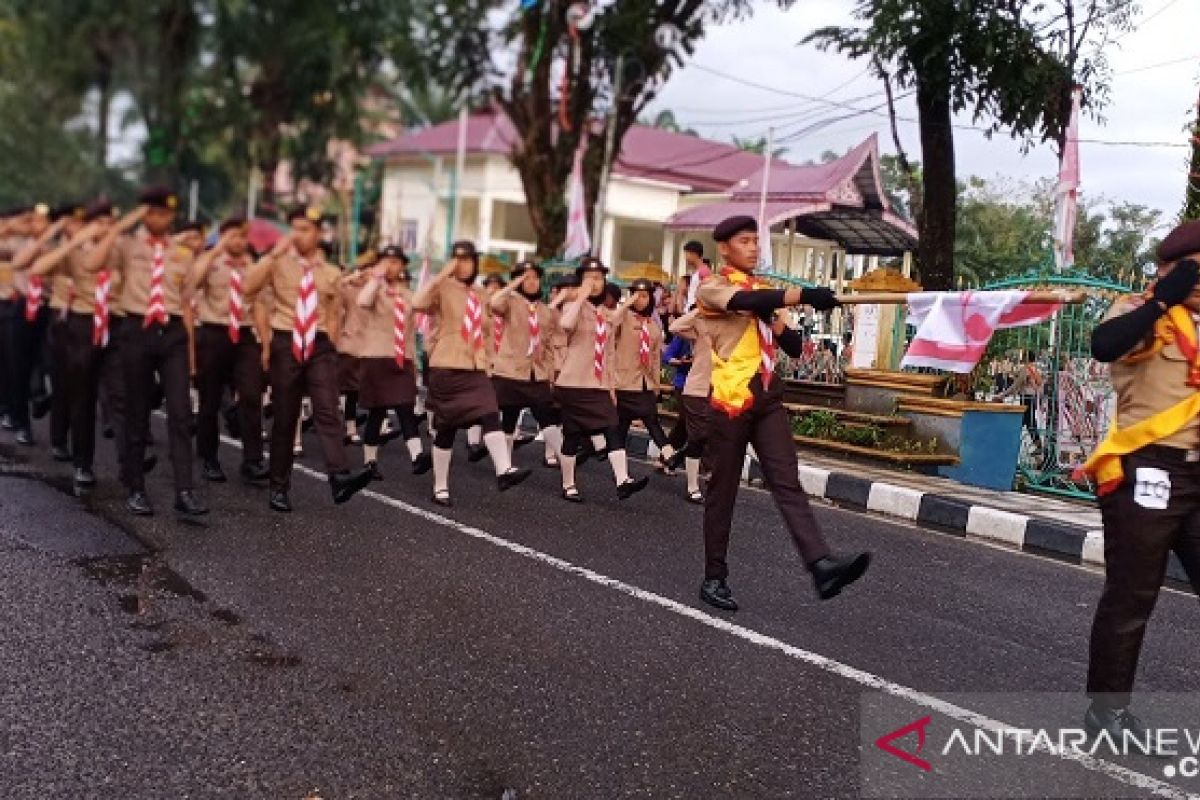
[[153, 340], [1147, 470], [305, 314], [584, 386], [523, 368], [388, 378], [637, 356], [228, 352], [30, 322], [10, 223], [747, 398], [459, 389], [350, 342], [695, 411]]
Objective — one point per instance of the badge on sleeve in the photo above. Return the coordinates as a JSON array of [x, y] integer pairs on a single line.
[[1152, 488]]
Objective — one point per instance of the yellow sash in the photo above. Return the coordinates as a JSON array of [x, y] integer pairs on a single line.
[[731, 376], [1178, 327]]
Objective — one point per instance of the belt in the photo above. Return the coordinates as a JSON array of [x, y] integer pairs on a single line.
[[1176, 455], [246, 326], [171, 318]]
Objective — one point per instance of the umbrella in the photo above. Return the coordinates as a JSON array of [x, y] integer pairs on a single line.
[[263, 234]]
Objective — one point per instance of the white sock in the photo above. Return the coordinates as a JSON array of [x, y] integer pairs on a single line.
[[553, 438], [691, 466], [414, 447], [351, 427], [667, 452], [599, 442], [370, 452], [299, 432], [497, 447], [474, 435], [441, 469], [620, 465], [567, 465], [509, 438]]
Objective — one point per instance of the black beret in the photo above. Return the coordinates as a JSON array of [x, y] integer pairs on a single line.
[[191, 225], [98, 209], [1183, 241], [75, 210], [732, 226], [159, 197], [613, 291], [310, 213], [464, 249], [394, 251], [694, 247], [495, 278], [229, 223], [642, 285], [524, 266], [590, 264]]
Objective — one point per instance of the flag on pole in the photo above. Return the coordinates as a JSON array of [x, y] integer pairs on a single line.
[[954, 328], [579, 241], [1066, 193]]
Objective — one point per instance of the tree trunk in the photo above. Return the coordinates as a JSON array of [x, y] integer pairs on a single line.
[[940, 191]]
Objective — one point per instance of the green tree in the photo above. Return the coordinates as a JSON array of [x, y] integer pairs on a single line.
[[758, 145]]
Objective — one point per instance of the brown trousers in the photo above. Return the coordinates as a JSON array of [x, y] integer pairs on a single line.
[[161, 349], [290, 382], [221, 364], [764, 425], [1144, 520]]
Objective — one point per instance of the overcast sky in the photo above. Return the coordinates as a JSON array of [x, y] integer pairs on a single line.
[[1149, 102]]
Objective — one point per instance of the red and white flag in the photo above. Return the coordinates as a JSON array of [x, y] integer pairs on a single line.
[[579, 241], [954, 328], [1066, 193]]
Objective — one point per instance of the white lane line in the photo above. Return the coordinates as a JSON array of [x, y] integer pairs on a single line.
[[1115, 771]]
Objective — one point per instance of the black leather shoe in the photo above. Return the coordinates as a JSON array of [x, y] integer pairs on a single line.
[[717, 594], [255, 472], [631, 487], [137, 503], [422, 464], [39, 406], [211, 471], [149, 462], [476, 452], [6, 422], [376, 473], [831, 575], [60, 453], [676, 460], [1116, 722], [189, 505], [25, 437], [347, 484], [442, 498], [280, 502], [84, 477], [511, 478]]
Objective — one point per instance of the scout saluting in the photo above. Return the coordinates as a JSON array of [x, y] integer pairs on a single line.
[[637, 360], [524, 364], [748, 409], [228, 353], [1147, 470], [584, 386], [459, 390], [29, 322], [388, 375], [305, 315]]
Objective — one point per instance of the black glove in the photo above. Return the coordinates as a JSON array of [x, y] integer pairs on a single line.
[[821, 298], [1173, 288]]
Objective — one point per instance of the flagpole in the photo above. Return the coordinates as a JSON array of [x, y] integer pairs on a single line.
[[899, 298], [764, 229]]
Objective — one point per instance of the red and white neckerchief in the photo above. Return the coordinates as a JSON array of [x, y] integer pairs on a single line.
[[766, 343], [156, 310], [33, 298], [399, 326], [100, 309], [497, 331], [235, 302], [644, 342], [601, 345], [535, 332], [304, 326], [472, 324]]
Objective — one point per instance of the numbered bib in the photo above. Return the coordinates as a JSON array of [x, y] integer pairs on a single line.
[[1152, 488]]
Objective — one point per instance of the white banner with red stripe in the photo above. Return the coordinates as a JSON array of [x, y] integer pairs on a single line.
[[954, 328]]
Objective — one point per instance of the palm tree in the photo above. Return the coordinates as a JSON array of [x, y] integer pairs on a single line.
[[758, 145]]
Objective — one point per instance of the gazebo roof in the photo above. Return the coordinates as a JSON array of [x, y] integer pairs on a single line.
[[842, 200]]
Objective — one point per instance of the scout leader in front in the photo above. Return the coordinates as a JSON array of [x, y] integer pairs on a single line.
[[1147, 469]]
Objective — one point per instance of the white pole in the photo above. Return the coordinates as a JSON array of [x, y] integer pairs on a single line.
[[460, 164], [193, 200], [764, 229], [605, 166], [252, 193]]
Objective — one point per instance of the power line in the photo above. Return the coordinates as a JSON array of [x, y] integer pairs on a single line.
[[1143, 22], [1158, 65]]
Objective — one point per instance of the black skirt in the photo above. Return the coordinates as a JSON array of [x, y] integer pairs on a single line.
[[347, 372], [384, 384], [637, 405], [460, 397], [586, 410], [511, 393]]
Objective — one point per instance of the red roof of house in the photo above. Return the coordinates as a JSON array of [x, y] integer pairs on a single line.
[[700, 164]]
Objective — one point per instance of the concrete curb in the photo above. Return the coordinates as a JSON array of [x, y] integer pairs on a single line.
[[1061, 541]]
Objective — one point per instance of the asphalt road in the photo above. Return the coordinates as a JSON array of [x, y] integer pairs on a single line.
[[514, 646]]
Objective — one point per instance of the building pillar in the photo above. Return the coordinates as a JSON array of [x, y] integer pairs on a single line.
[[668, 255], [608, 240], [484, 239]]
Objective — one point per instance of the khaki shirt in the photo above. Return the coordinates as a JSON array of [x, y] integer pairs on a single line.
[[445, 301], [133, 257], [628, 373], [18, 279], [8, 250], [513, 359], [84, 301], [1147, 387], [725, 328], [354, 318], [212, 292], [283, 276], [376, 305], [696, 328], [61, 287], [578, 370]]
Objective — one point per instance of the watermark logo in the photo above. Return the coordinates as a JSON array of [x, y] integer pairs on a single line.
[[918, 727]]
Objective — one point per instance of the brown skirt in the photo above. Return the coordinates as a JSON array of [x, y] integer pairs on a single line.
[[347, 372], [586, 410], [511, 393], [697, 418], [384, 384], [637, 405], [460, 397]]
